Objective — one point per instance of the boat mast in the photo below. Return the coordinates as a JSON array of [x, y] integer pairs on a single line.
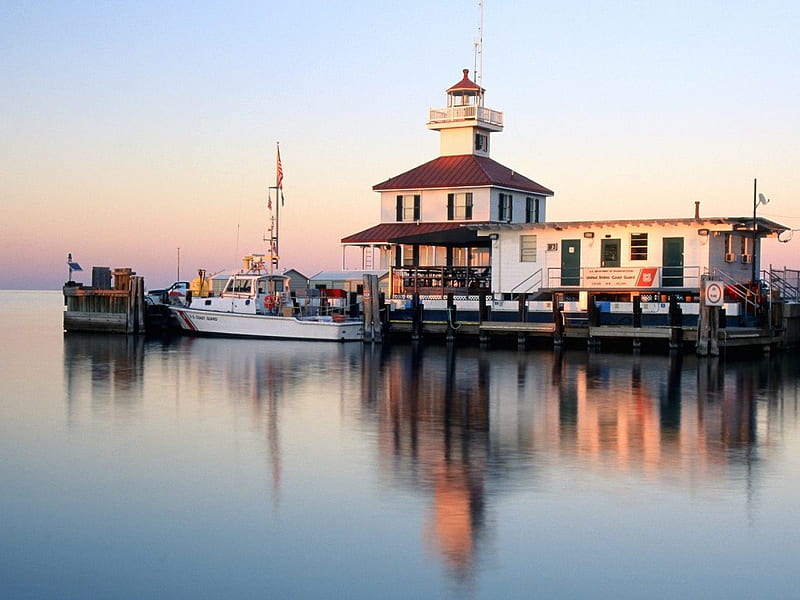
[[274, 255]]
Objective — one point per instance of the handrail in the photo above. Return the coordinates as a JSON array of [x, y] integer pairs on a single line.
[[737, 288], [781, 283], [529, 277]]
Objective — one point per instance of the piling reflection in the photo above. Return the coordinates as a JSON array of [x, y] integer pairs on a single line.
[[104, 370]]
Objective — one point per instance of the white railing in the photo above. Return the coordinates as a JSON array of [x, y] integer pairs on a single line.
[[467, 112]]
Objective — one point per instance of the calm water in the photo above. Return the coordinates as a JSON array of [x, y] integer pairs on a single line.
[[207, 468]]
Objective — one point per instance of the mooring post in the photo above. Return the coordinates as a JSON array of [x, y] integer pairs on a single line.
[[558, 321], [483, 315], [676, 324], [368, 307], [380, 316], [637, 311], [416, 317], [451, 318], [522, 312]]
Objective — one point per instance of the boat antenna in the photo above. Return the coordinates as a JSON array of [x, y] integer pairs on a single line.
[[478, 67]]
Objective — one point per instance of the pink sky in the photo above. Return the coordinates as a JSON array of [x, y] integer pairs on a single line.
[[130, 131]]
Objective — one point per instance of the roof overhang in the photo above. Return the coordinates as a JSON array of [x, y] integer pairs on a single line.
[[765, 227]]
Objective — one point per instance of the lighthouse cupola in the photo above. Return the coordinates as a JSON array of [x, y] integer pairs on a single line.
[[465, 123]]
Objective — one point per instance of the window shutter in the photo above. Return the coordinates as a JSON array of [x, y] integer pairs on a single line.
[[399, 209], [510, 215], [451, 198], [416, 207], [468, 209]]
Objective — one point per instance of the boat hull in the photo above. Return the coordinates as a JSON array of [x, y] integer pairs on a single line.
[[210, 322]]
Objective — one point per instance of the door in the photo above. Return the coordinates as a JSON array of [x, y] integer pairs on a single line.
[[609, 253], [672, 263], [570, 262]]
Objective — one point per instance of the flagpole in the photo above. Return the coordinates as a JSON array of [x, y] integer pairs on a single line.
[[274, 249]]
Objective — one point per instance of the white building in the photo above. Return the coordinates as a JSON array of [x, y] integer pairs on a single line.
[[625, 257]]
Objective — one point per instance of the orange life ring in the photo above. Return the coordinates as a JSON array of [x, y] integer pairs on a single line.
[[268, 302]]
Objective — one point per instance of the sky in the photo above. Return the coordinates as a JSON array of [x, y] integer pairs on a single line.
[[143, 134]]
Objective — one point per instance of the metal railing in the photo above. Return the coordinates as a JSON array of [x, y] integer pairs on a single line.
[[785, 281], [532, 282]]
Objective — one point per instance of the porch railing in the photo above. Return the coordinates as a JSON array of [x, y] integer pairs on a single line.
[[440, 281]]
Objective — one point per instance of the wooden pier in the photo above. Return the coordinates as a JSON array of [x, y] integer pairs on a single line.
[[112, 310], [782, 331]]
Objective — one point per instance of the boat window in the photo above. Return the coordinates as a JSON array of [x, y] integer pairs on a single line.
[[240, 286]]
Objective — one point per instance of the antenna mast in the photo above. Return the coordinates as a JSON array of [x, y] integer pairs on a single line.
[[478, 68]]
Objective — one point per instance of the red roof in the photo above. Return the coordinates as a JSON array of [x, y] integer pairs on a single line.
[[465, 85], [466, 170], [386, 232]]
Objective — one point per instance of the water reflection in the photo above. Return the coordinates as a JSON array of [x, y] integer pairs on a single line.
[[105, 370], [464, 428]]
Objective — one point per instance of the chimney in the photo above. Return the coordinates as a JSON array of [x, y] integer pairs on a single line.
[[697, 210]]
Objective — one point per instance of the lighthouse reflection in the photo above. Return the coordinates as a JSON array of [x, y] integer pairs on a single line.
[[470, 429]]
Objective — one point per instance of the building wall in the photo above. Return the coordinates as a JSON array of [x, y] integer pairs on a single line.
[[508, 271], [433, 204]]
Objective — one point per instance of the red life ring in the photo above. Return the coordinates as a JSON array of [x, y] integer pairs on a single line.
[[268, 302]]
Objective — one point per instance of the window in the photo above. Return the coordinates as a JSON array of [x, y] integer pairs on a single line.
[[504, 207], [459, 257], [407, 207], [527, 248], [410, 256], [459, 206], [481, 142], [531, 210], [479, 257], [638, 246], [745, 245]]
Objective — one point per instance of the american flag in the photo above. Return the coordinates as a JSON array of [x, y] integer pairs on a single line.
[[280, 171]]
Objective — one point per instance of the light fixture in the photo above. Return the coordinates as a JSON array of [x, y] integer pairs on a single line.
[[702, 231], [588, 234], [493, 236]]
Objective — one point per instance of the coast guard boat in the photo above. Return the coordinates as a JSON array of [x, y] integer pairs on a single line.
[[260, 305], [257, 302]]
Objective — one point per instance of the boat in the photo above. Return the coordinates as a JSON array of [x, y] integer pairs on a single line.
[[261, 305], [257, 302]]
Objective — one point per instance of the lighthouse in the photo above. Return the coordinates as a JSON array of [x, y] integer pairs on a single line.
[[465, 124], [426, 235]]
